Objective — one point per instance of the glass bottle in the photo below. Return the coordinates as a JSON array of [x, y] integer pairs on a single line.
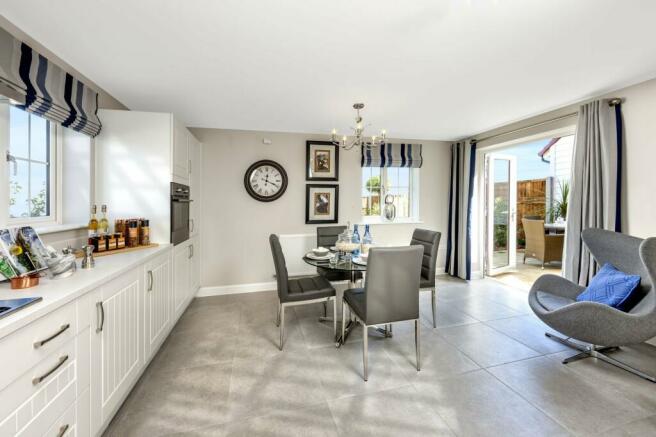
[[93, 222], [356, 240], [367, 241], [103, 226]]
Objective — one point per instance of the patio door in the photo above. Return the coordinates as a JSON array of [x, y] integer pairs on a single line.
[[501, 213]]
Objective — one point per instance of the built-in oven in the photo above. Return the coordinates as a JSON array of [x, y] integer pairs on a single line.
[[180, 202]]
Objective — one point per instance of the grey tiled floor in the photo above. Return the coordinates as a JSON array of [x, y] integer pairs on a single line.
[[486, 370]]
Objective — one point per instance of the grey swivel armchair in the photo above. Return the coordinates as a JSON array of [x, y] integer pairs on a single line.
[[298, 291], [430, 240], [604, 328], [390, 294]]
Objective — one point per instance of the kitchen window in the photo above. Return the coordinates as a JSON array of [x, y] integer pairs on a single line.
[[31, 169], [399, 184]]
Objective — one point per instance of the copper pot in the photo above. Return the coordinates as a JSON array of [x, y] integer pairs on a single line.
[[21, 282]]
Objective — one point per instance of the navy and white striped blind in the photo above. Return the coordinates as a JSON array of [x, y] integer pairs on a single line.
[[44, 89], [392, 155]]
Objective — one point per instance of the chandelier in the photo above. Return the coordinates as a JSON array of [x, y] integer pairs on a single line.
[[358, 138]]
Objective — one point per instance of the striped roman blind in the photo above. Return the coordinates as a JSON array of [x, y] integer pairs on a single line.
[[42, 88], [392, 155]]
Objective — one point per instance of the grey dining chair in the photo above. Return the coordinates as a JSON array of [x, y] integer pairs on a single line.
[[390, 293], [553, 299], [430, 241], [298, 291]]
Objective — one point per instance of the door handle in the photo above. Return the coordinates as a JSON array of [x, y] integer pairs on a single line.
[[193, 225], [39, 379], [191, 251], [101, 316], [150, 280], [62, 430], [63, 328]]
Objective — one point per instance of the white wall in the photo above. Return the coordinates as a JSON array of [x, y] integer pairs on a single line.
[[235, 227]]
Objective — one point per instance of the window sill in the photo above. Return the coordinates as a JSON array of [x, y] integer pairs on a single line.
[[398, 221], [51, 229]]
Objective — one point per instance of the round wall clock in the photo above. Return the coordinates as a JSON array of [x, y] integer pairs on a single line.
[[265, 180]]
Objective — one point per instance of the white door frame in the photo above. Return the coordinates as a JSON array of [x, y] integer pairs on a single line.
[[490, 158]]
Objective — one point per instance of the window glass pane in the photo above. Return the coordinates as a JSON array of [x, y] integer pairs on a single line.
[[392, 177], [404, 177], [38, 138], [18, 190], [38, 190], [18, 132], [370, 191]]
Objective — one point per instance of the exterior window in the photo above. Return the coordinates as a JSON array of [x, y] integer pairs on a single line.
[[399, 183], [31, 155]]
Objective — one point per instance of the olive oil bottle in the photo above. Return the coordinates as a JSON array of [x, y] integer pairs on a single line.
[[103, 226], [93, 223]]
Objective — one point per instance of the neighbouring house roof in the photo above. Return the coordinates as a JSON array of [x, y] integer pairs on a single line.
[[546, 148]]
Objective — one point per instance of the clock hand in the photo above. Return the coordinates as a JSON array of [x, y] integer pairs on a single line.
[[275, 185]]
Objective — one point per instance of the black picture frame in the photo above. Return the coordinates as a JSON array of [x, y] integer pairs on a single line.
[[310, 162], [310, 218]]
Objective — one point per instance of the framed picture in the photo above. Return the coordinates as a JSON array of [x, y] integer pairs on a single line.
[[321, 203], [321, 161]]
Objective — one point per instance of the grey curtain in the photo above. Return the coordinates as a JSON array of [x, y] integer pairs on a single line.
[[595, 196], [461, 190]]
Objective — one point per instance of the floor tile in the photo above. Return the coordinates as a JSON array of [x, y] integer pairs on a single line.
[[285, 382], [476, 403], [340, 370], [209, 318], [439, 359], [485, 346], [529, 331], [393, 412], [260, 341], [181, 400], [310, 422], [639, 428], [483, 309], [578, 403], [447, 315]]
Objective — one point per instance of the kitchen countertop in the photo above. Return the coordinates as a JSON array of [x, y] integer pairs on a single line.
[[58, 292]]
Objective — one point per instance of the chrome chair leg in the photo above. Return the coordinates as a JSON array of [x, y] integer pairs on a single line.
[[335, 316], [278, 314], [417, 345], [343, 322], [325, 308], [434, 307], [282, 325], [365, 350]]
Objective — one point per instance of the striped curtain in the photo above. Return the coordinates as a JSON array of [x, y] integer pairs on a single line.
[[44, 89], [392, 155], [458, 243]]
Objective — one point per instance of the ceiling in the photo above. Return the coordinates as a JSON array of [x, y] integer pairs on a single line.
[[426, 69]]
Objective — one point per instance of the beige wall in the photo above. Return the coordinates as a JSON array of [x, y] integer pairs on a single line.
[[105, 100], [639, 111], [235, 227]]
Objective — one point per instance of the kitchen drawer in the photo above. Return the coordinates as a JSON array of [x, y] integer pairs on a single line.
[[65, 426], [34, 342], [35, 399]]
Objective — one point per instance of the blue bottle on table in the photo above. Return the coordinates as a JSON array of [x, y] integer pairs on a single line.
[[356, 239], [367, 241]]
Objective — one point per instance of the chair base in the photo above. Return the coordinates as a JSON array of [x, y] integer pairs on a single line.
[[594, 351], [280, 316]]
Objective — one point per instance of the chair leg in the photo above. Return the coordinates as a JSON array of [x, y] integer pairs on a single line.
[[282, 325], [365, 352], [325, 308], [335, 316], [434, 307], [278, 314], [343, 320], [418, 345]]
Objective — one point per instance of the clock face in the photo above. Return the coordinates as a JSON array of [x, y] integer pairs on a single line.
[[265, 180]]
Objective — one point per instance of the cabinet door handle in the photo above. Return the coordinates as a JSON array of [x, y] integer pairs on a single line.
[[150, 280], [62, 430], [193, 225], [39, 379], [63, 328], [101, 316]]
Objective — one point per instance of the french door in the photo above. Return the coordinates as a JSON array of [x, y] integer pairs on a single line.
[[501, 213]]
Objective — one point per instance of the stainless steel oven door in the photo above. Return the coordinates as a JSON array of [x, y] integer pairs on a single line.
[[179, 220]]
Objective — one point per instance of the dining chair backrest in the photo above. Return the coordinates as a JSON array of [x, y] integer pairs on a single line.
[[430, 241], [327, 235], [279, 263], [392, 285]]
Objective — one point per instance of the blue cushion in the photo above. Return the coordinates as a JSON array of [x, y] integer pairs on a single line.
[[611, 287]]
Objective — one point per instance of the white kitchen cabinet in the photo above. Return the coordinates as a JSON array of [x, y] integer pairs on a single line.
[[180, 153], [117, 357], [194, 268], [157, 303], [181, 277], [194, 183]]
